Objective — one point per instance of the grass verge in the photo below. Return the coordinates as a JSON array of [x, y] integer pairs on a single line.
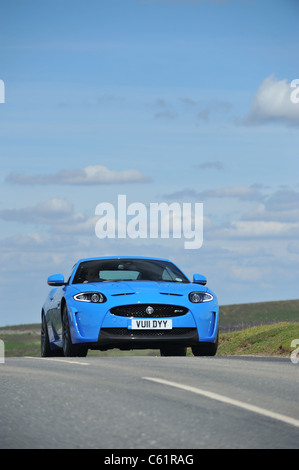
[[263, 340]]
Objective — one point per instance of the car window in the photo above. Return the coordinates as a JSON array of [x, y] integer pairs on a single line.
[[129, 269], [118, 275]]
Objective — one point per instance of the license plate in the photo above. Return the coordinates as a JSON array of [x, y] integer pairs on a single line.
[[151, 324]]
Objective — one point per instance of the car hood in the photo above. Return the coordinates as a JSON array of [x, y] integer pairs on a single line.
[[115, 288]]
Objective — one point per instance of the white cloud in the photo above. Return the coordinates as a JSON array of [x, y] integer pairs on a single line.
[[281, 206], [207, 165], [44, 212], [283, 200], [57, 214], [260, 228], [78, 225], [272, 103], [241, 192], [203, 110], [90, 175]]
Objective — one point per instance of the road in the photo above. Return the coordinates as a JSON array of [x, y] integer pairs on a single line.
[[149, 403]]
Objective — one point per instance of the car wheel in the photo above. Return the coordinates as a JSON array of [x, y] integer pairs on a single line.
[[46, 350], [44, 339], [70, 349], [205, 349], [173, 351]]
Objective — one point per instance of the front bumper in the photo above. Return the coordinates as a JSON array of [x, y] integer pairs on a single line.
[[103, 330]]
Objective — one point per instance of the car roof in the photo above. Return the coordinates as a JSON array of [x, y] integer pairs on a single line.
[[120, 257]]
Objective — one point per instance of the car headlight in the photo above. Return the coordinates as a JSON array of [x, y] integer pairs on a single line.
[[94, 297], [198, 297]]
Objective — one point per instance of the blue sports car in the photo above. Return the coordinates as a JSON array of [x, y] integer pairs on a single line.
[[129, 303]]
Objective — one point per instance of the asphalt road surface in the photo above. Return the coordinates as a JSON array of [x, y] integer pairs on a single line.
[[149, 403]]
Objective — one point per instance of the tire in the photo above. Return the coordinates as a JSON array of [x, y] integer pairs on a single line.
[[70, 349], [205, 349], [46, 350], [173, 351]]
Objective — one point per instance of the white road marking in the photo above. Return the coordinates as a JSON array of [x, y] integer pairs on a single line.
[[230, 401], [68, 361]]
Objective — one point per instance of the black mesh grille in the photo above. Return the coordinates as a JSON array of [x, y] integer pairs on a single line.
[[139, 310], [124, 332]]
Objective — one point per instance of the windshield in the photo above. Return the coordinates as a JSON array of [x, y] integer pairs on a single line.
[[128, 270]]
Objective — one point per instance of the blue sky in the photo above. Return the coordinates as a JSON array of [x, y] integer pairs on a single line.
[[160, 100]]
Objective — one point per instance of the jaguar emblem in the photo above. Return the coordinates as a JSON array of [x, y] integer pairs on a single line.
[[149, 310]]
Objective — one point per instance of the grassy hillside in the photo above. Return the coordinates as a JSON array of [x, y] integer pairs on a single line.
[[240, 316], [278, 325], [21, 340]]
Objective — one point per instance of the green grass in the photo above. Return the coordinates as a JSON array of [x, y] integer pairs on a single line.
[[278, 326], [263, 340], [243, 315]]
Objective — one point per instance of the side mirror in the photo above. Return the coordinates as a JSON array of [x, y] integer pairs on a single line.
[[56, 280], [199, 279]]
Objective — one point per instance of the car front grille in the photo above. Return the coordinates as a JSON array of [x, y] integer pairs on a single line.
[[142, 310]]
